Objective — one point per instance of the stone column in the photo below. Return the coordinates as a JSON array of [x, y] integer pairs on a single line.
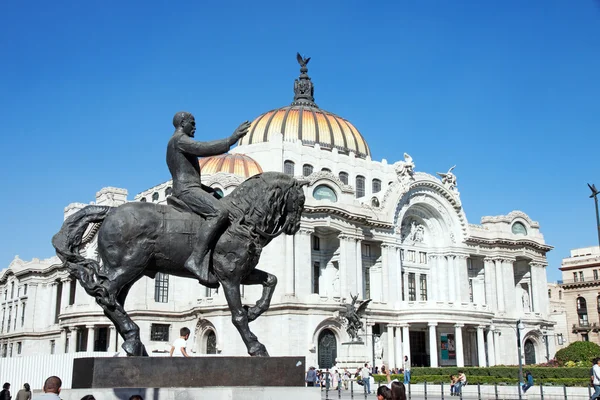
[[490, 283], [385, 267], [289, 271], [405, 284], [63, 341], [432, 279], [91, 338], [539, 294], [53, 287], [462, 281], [460, 355], [302, 262], [66, 288], [405, 343], [510, 293], [452, 278], [399, 355], [396, 278], [443, 278], [500, 295], [345, 243], [112, 339], [433, 351], [480, 346], [359, 270], [391, 351], [73, 339], [491, 348]]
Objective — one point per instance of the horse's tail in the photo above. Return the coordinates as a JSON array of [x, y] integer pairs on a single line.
[[67, 242]]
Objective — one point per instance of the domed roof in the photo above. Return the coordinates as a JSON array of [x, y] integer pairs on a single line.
[[304, 120], [237, 164]]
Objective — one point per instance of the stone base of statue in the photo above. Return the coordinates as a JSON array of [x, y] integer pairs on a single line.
[[181, 372], [159, 378]]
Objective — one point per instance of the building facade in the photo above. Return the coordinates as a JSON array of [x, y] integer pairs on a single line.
[[444, 291], [581, 292]]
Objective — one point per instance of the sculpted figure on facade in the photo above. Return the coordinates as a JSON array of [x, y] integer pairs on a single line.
[[449, 179], [405, 169], [352, 316], [525, 299], [412, 232]]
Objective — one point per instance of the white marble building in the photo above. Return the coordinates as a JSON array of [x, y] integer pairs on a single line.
[[444, 291]]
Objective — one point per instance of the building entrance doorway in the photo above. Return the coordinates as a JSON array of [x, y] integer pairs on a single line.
[[529, 352], [418, 352], [327, 349]]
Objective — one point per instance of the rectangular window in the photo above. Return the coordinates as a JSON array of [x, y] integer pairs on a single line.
[[52, 346], [159, 332], [288, 167], [307, 169], [469, 264], [19, 347], [4, 349], [560, 294], [360, 186], [72, 291], [316, 243], [575, 277], [25, 290], [367, 282], [412, 287], [423, 283], [376, 186], [316, 276], [559, 338], [161, 288], [367, 250], [585, 337], [10, 348], [9, 318], [403, 295], [401, 254], [422, 257], [23, 315], [16, 315], [411, 255], [12, 290], [549, 293], [471, 290], [18, 291], [59, 289], [3, 317], [581, 276], [595, 274]]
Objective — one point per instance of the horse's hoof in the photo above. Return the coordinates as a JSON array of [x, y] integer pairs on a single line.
[[259, 351]]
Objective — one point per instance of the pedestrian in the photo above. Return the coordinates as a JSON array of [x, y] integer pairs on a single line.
[[51, 389], [5, 393], [596, 379], [365, 376], [529, 379], [311, 377], [406, 370], [179, 345], [25, 393]]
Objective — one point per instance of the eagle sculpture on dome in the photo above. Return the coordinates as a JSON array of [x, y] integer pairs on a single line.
[[302, 61]]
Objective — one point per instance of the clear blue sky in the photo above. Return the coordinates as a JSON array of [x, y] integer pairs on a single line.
[[508, 91]]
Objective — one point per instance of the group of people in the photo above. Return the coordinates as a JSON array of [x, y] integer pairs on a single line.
[[52, 387], [457, 382]]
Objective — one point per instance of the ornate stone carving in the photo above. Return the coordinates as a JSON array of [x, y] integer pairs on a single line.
[[412, 232], [510, 217], [318, 175], [405, 169], [449, 180]]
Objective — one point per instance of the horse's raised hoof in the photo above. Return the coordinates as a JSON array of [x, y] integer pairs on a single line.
[[258, 350], [252, 313], [134, 348]]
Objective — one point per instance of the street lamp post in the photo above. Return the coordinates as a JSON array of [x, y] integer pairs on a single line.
[[594, 194], [519, 327]]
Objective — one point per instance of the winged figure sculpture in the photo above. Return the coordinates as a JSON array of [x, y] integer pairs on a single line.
[[353, 316], [301, 60]]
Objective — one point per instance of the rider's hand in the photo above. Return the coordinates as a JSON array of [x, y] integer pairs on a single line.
[[241, 131]]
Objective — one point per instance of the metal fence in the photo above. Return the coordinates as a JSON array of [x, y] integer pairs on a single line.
[[469, 392]]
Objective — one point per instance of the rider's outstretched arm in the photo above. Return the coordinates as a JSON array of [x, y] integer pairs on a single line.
[[204, 149]]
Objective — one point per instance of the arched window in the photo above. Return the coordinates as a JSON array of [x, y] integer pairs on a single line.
[[549, 293], [325, 170], [211, 343], [155, 196], [529, 350], [581, 304], [519, 229], [143, 200], [376, 186], [582, 312], [288, 167], [327, 349], [360, 186], [307, 169], [375, 202], [168, 191], [344, 177]]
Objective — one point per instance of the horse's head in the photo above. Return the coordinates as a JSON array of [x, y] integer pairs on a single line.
[[271, 203]]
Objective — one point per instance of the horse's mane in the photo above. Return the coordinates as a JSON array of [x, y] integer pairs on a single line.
[[261, 198]]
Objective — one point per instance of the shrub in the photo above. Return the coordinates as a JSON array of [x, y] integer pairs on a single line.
[[578, 352]]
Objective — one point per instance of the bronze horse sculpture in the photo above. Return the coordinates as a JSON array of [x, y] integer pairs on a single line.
[[137, 239]]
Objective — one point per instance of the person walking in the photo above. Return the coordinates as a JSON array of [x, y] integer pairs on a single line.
[[311, 377], [25, 393], [596, 379], [406, 370]]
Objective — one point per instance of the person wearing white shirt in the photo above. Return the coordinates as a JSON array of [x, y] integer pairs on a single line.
[[179, 345], [596, 379], [51, 389]]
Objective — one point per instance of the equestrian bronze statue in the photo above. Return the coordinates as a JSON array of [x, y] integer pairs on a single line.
[[141, 239]]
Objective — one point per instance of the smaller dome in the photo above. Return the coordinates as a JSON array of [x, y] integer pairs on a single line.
[[237, 164]]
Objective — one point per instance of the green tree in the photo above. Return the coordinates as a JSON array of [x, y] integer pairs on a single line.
[[578, 352]]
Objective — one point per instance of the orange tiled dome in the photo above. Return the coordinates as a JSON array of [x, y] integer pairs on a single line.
[[304, 120], [238, 164]]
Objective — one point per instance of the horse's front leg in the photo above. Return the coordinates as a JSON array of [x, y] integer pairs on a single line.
[[239, 317], [268, 281]]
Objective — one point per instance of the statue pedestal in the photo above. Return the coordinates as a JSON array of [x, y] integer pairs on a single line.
[[193, 372]]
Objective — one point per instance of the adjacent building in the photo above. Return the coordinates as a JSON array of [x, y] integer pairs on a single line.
[[444, 291]]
